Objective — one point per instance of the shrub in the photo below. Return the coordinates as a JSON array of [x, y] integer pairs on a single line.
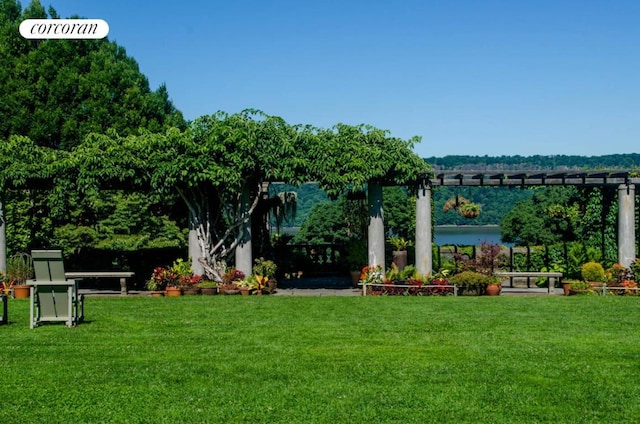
[[593, 271], [470, 279]]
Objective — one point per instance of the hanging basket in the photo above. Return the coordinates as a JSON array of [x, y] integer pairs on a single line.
[[470, 210]]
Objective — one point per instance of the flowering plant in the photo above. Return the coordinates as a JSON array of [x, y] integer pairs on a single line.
[[6, 286], [372, 275], [630, 287], [163, 277]]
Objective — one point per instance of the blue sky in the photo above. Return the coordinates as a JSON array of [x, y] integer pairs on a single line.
[[469, 77]]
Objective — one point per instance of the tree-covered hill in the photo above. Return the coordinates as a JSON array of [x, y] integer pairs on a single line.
[[559, 162], [496, 202]]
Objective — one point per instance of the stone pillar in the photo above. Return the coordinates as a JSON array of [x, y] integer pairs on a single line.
[[3, 241], [626, 224], [424, 254], [194, 247], [244, 260], [376, 226]]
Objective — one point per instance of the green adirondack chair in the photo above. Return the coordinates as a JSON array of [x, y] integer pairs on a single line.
[[53, 297]]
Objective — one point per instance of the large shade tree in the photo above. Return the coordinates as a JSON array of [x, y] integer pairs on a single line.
[[56, 92], [220, 165]]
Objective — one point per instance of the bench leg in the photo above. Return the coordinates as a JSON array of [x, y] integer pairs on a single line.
[[123, 287], [552, 285]]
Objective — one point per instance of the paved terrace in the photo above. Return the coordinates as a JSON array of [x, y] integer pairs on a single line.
[[323, 286]]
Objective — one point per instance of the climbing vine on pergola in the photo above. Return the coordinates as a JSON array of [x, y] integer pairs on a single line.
[[218, 166]]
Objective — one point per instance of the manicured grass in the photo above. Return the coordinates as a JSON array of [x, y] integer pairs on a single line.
[[327, 360]]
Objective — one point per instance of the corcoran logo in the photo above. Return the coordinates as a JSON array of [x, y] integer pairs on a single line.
[[64, 28]]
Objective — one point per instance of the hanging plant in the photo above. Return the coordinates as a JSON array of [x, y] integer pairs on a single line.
[[470, 210], [455, 202], [464, 206]]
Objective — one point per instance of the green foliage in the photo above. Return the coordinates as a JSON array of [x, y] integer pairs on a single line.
[[182, 268], [579, 285], [470, 279], [326, 224], [527, 224], [593, 271], [118, 221], [399, 243], [308, 196], [264, 268], [399, 212], [635, 268], [356, 254], [19, 269]]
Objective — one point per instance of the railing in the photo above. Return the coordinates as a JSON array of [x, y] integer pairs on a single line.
[[312, 259]]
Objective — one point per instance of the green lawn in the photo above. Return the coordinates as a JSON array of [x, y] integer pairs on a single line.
[[327, 359]]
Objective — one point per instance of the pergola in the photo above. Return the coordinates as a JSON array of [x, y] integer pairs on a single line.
[[624, 180]]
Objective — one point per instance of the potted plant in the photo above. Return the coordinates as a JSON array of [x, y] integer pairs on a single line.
[[400, 246], [579, 287], [372, 275], [208, 287], [593, 273], [192, 285], [266, 270], [245, 286], [493, 286], [470, 283], [231, 280], [566, 286], [19, 270], [158, 281]]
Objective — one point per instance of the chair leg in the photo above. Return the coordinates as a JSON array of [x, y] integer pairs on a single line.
[[5, 318]]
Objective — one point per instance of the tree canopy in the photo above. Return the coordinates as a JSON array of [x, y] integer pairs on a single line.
[[57, 91]]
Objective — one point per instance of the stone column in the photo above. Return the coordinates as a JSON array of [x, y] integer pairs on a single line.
[[424, 254], [243, 250], [376, 226], [194, 247], [3, 241], [626, 224]]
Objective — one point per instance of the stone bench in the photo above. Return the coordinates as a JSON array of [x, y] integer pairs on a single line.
[[122, 275], [552, 276]]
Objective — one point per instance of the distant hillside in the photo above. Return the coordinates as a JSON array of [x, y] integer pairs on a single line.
[[495, 201], [558, 162]]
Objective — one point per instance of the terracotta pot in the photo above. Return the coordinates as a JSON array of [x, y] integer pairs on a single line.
[[21, 292], [209, 291], [272, 286], [157, 294], [493, 289], [565, 288], [173, 291], [244, 291]]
